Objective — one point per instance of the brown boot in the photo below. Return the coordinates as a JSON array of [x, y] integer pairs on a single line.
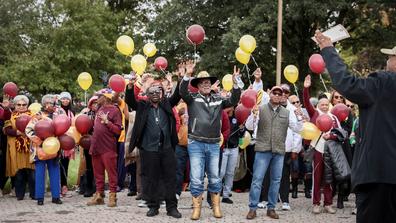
[[97, 199], [216, 205], [272, 214], [251, 215], [197, 204], [112, 199]]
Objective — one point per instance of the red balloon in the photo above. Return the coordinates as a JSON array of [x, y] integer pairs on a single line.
[[11, 89], [61, 124], [341, 111], [316, 63], [117, 83], [160, 63], [66, 142], [44, 129], [85, 142], [83, 124], [324, 122], [249, 98], [22, 121], [192, 89], [242, 113], [195, 34]]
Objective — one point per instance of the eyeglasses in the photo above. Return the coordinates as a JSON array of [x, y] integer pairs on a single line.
[[286, 92], [21, 105], [350, 106], [295, 102], [338, 97]]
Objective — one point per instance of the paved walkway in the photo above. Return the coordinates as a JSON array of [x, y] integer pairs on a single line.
[[74, 209]]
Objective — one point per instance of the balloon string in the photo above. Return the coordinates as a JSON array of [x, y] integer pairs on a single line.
[[195, 54], [296, 90], [254, 61], [248, 75], [85, 98], [324, 85], [163, 71]]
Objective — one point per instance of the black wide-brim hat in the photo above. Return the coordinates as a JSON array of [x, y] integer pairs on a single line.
[[202, 76]]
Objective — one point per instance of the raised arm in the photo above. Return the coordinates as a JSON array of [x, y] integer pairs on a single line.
[[130, 96], [175, 98], [235, 93], [307, 104]]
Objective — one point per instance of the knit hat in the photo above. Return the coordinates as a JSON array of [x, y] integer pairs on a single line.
[[65, 95]]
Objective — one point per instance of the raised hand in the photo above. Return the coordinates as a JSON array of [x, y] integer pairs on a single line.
[[215, 86], [237, 72], [323, 41], [307, 81], [190, 65], [181, 69]]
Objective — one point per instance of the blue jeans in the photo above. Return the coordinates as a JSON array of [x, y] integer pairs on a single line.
[[181, 157], [261, 162], [54, 177], [228, 164], [204, 154]]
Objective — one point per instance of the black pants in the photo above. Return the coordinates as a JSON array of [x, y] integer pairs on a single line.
[[64, 169], [131, 169], [284, 188], [376, 202], [156, 166], [23, 177]]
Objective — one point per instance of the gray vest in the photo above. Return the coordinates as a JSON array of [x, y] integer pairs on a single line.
[[272, 129]]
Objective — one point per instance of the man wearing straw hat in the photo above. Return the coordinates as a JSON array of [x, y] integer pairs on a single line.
[[204, 125]]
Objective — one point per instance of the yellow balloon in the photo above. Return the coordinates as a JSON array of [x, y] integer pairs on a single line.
[[247, 43], [291, 73], [51, 145], [309, 131], [149, 49], [247, 138], [260, 94], [125, 45], [221, 139], [74, 134], [35, 107], [84, 80], [227, 82], [242, 56], [138, 63]]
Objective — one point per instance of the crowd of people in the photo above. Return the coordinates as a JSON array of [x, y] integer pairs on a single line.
[[168, 135]]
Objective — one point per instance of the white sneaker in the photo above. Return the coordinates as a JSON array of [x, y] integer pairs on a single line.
[[142, 204], [286, 206], [262, 205], [162, 204]]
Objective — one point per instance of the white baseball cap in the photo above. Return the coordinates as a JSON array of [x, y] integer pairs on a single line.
[[391, 52]]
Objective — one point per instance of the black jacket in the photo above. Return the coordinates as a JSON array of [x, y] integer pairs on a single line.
[[375, 160], [336, 163], [141, 108], [235, 133], [204, 122]]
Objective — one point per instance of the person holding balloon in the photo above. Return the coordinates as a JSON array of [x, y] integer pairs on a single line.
[[204, 126], [318, 145], [18, 147], [103, 149], [43, 160], [272, 121]]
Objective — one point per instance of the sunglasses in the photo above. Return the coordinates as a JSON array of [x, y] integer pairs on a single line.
[[350, 106], [277, 94], [21, 105], [154, 90], [338, 97], [295, 102]]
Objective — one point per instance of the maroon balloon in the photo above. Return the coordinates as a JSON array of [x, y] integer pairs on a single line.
[[195, 34], [62, 123], [341, 111], [160, 63], [1, 113], [242, 113], [11, 89], [117, 83], [324, 122], [22, 121], [249, 98], [83, 124], [316, 63], [66, 142], [85, 141], [44, 129], [192, 89]]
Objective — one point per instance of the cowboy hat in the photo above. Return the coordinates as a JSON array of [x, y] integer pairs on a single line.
[[201, 76]]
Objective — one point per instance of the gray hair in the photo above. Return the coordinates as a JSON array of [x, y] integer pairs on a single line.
[[21, 98], [46, 98]]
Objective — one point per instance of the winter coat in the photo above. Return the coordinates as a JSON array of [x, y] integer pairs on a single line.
[[336, 163]]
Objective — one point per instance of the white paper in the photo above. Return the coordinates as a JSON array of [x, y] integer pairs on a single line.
[[336, 33]]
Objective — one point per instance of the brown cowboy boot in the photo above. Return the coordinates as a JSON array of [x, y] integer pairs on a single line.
[[197, 204], [97, 199], [216, 205], [112, 199]]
